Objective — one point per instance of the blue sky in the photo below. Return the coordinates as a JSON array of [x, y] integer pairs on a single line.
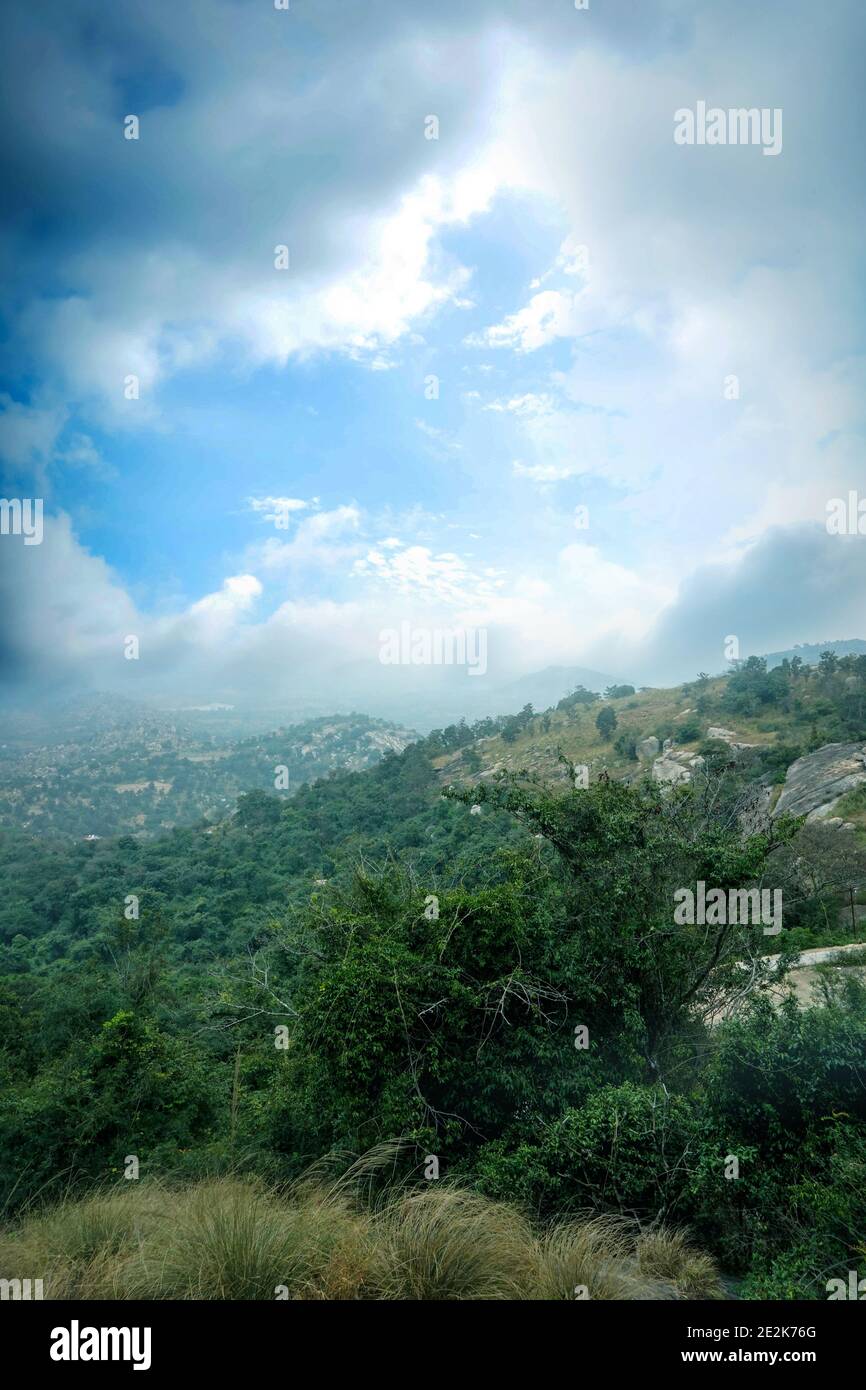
[[583, 288]]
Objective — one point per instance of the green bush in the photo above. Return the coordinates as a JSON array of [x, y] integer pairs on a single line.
[[627, 1149]]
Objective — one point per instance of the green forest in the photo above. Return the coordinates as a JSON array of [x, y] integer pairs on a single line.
[[484, 975]]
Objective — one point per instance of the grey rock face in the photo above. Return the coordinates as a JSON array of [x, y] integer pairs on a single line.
[[755, 816], [815, 782], [728, 736], [670, 771], [647, 748], [675, 766]]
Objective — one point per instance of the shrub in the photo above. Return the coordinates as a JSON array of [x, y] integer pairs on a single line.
[[605, 721], [626, 743], [625, 1149], [689, 731]]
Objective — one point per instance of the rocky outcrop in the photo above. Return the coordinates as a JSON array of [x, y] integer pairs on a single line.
[[673, 768], [815, 782], [647, 748], [728, 736], [670, 772]]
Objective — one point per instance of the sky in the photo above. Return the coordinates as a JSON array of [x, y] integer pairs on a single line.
[[421, 314]]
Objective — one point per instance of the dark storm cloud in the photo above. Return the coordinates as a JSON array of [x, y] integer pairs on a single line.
[[796, 584]]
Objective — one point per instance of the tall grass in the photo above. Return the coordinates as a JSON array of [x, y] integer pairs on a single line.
[[236, 1239]]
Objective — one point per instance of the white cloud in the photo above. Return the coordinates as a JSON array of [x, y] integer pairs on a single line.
[[444, 576], [530, 403], [28, 435], [326, 540], [548, 315], [278, 509], [207, 619], [544, 472], [439, 436]]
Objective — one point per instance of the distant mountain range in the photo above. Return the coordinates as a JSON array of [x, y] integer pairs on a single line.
[[428, 697]]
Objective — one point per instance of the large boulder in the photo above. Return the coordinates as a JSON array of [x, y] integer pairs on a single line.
[[815, 782], [647, 748], [670, 772], [675, 767], [723, 735], [728, 736]]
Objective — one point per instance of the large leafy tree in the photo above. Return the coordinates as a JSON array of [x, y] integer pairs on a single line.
[[622, 852], [463, 1015]]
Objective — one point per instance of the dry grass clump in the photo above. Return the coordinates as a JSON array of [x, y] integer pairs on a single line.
[[668, 1255], [232, 1239], [79, 1246], [449, 1243], [595, 1259], [235, 1239]]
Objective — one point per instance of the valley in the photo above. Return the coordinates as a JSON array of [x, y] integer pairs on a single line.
[[139, 771]]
